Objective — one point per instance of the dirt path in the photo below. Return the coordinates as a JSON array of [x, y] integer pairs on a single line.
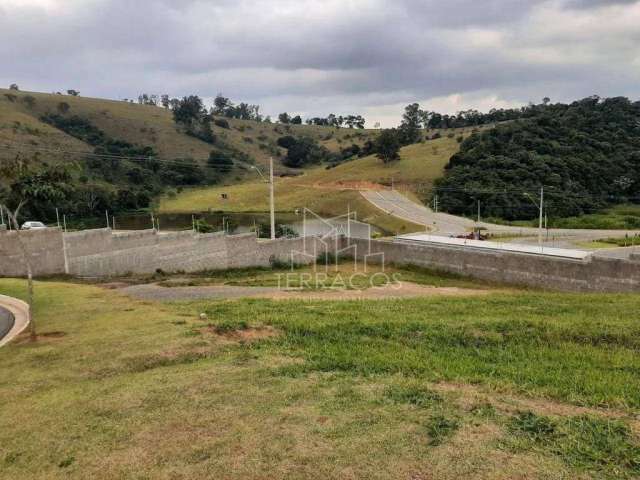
[[218, 292]]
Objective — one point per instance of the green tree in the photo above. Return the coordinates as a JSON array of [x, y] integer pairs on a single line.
[[410, 128], [284, 118], [189, 110], [221, 104], [388, 146]]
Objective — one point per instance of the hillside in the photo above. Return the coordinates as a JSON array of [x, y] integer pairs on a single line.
[[331, 191], [100, 132], [586, 154], [146, 125]]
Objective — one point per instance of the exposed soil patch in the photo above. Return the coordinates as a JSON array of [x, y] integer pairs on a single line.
[[25, 337], [52, 334]]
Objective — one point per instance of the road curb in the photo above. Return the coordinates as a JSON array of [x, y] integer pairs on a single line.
[[20, 311]]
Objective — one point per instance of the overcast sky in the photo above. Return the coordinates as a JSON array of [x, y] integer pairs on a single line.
[[316, 57]]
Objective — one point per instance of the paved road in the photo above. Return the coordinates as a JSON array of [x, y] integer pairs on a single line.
[[400, 206], [6, 322], [14, 318]]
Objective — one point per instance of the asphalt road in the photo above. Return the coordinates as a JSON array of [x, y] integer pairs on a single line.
[[6, 322], [396, 204]]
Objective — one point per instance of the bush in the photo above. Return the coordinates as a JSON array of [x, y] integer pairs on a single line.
[[63, 107], [202, 226], [222, 123]]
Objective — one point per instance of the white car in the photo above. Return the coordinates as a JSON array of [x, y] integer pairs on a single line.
[[33, 226]]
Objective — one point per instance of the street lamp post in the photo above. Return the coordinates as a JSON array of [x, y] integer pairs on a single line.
[[272, 210], [541, 208]]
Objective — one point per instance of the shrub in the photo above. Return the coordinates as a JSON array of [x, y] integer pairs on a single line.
[[222, 123], [412, 394], [63, 107], [441, 428]]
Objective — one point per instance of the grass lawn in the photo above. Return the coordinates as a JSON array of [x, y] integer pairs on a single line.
[[332, 275], [512, 385]]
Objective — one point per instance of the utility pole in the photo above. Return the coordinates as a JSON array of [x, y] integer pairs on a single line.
[[272, 207], [542, 212], [478, 211], [541, 215], [272, 200]]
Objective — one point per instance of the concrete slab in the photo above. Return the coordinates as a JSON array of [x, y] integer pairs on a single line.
[[485, 245]]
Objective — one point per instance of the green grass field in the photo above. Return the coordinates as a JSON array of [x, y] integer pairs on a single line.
[[524, 384]]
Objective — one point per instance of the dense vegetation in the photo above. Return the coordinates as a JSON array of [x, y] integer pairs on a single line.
[[586, 155], [305, 151], [117, 176]]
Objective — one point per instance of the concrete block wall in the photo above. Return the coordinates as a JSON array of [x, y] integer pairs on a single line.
[[144, 252], [44, 246], [100, 253], [594, 274]]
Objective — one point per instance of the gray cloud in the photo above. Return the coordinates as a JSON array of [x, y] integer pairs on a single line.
[[317, 57]]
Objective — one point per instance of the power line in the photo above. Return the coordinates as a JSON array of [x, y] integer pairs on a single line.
[[522, 191], [107, 156]]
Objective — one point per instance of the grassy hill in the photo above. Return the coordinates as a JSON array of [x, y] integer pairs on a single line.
[[96, 138], [146, 125], [331, 191]]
